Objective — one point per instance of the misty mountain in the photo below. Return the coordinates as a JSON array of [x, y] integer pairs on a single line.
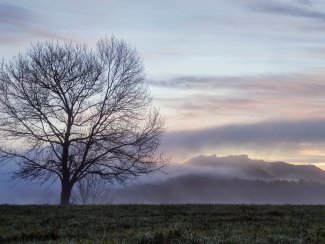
[[243, 167], [230, 179]]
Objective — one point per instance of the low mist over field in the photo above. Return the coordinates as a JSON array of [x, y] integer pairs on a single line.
[[202, 179], [231, 179]]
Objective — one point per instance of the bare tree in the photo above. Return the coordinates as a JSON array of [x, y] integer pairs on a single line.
[[67, 111], [91, 190]]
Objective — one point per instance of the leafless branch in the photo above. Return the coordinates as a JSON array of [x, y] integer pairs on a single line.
[[72, 112]]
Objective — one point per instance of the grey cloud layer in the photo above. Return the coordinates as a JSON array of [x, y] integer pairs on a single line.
[[260, 96], [10, 13], [286, 9], [18, 23], [263, 134], [289, 84]]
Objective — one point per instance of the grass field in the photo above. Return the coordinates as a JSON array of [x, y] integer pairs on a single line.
[[162, 224]]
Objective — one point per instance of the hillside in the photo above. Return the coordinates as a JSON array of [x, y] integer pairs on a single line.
[[231, 179]]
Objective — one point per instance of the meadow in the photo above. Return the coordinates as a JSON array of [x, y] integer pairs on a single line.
[[162, 224]]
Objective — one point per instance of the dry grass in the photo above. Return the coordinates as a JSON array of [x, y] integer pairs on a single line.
[[162, 224]]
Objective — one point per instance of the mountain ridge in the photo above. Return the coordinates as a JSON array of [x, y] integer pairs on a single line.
[[258, 169]]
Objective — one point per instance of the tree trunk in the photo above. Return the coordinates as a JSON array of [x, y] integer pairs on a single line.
[[65, 192]]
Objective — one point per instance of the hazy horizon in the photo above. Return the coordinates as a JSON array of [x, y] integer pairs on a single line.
[[233, 179]]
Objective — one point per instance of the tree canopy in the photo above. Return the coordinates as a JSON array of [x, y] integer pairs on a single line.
[[68, 111]]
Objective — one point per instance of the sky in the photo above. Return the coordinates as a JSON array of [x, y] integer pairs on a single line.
[[230, 77]]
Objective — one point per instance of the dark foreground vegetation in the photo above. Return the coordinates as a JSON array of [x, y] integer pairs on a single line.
[[162, 224]]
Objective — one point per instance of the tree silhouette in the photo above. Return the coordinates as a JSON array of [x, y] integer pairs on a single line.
[[91, 190], [67, 111]]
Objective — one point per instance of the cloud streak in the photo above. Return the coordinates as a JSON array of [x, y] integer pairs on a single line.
[[13, 14], [262, 134], [291, 84], [285, 9], [18, 23], [250, 98]]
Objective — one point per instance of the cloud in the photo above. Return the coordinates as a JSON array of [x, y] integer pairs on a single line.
[[300, 83], [13, 14], [286, 9], [305, 2], [262, 134], [211, 100], [18, 23]]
